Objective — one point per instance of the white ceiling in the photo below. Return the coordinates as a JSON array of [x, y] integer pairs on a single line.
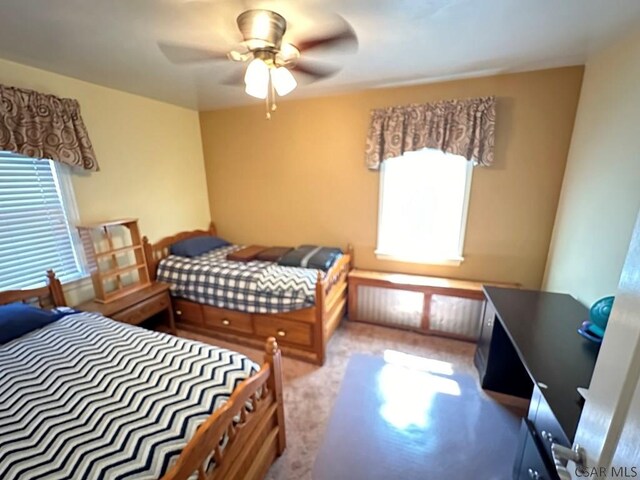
[[114, 42]]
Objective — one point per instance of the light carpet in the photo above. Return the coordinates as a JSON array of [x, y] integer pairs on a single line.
[[310, 391]]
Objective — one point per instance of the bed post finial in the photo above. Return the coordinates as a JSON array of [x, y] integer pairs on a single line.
[[146, 245], [350, 252], [55, 287], [147, 250], [274, 358], [271, 347], [212, 228]]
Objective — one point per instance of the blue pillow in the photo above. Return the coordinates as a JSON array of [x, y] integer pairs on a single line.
[[192, 247], [17, 319]]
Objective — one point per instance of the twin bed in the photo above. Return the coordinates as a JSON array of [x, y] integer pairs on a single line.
[[248, 302], [89, 397]]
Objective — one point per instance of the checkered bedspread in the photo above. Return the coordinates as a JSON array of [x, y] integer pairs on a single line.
[[255, 287]]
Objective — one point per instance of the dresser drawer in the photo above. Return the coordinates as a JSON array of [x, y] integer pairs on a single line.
[[283, 330], [188, 312], [144, 310], [227, 319], [545, 424], [532, 465]]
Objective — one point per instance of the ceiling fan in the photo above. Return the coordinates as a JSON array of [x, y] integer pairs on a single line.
[[270, 58]]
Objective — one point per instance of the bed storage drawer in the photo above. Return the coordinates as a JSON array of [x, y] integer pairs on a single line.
[[227, 319], [284, 330], [188, 312]]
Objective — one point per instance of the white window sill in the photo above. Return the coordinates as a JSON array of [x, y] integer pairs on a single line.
[[447, 262]]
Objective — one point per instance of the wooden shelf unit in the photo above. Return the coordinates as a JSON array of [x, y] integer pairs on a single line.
[[110, 262]]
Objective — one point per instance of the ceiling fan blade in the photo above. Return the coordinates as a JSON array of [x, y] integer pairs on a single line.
[[345, 40], [234, 79], [314, 69], [184, 54]]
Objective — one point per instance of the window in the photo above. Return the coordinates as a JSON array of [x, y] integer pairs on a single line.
[[36, 205], [423, 207]]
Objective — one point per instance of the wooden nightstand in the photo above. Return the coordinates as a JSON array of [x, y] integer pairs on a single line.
[[137, 307]]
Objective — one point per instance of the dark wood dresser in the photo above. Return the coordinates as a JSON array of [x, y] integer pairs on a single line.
[[529, 347]]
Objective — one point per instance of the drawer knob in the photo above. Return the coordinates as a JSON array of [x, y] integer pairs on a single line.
[[226, 322], [533, 474], [178, 312], [281, 333]]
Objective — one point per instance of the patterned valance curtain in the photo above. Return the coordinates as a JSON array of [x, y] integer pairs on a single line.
[[460, 127], [44, 126]]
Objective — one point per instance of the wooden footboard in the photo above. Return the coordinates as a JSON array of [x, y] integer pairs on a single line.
[[251, 422], [331, 301], [302, 334]]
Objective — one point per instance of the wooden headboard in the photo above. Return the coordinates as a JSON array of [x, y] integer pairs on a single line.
[[45, 297], [154, 252]]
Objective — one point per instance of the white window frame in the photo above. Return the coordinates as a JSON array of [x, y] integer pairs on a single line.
[[70, 205], [62, 178], [427, 259]]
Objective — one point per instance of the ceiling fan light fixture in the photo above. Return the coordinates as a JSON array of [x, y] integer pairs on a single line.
[[256, 79], [283, 81], [271, 58]]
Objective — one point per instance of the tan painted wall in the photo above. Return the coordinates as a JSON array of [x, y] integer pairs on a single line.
[[301, 177], [150, 156], [601, 191]]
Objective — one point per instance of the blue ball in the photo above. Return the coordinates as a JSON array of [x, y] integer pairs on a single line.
[[600, 311]]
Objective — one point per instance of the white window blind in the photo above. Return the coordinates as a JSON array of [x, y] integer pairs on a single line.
[[423, 204], [34, 226]]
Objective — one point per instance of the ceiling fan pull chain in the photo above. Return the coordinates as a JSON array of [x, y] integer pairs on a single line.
[[273, 95], [267, 99], [270, 99]]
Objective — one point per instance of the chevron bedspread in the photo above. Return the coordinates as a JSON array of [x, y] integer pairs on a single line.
[[90, 398], [254, 287]]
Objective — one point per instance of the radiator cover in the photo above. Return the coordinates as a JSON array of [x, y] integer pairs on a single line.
[[402, 308], [455, 315], [437, 314]]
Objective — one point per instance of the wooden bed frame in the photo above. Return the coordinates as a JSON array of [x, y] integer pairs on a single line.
[[256, 435], [303, 334], [49, 296]]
